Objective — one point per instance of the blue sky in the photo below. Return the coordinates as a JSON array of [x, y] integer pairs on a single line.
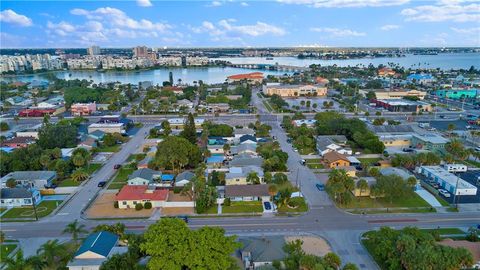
[[282, 23]]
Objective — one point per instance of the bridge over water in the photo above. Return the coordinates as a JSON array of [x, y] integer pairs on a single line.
[[271, 67]]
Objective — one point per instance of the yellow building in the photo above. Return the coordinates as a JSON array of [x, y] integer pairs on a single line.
[[286, 90], [395, 94]]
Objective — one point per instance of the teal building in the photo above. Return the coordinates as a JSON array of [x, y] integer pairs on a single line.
[[457, 93]]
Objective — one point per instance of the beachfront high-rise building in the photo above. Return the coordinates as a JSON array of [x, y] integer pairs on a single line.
[[94, 50], [140, 51]]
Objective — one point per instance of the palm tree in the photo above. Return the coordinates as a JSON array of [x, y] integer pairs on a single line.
[[18, 262], [44, 160], [362, 185], [78, 161], [272, 190], [52, 252], [79, 175], [75, 229], [411, 181]]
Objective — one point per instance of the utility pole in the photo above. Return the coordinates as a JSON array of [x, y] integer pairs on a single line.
[[34, 206], [455, 199], [297, 177]]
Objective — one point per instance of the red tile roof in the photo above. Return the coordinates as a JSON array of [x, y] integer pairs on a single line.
[[253, 75], [131, 193]]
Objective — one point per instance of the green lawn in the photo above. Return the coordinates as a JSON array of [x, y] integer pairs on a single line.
[[313, 160], [114, 148], [444, 231], [5, 250], [366, 202], [267, 105], [243, 207], [315, 166], [92, 168], [2, 209], [302, 206], [369, 161], [68, 183], [43, 209], [135, 157], [121, 178]]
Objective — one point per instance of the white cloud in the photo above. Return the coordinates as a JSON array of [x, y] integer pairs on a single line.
[[62, 28], [346, 3], [227, 30], [10, 16], [457, 11], [337, 32], [389, 27], [118, 18], [469, 31], [244, 4], [144, 3], [215, 4]]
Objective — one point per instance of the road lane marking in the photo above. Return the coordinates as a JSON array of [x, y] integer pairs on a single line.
[[10, 230], [245, 225]]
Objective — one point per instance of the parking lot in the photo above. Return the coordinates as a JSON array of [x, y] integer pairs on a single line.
[[471, 177]]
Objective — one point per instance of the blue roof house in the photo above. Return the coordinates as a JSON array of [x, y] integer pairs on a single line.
[[97, 245], [96, 249], [215, 160], [420, 78]]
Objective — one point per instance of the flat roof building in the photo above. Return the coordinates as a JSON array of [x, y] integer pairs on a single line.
[[403, 105], [448, 181], [287, 90]]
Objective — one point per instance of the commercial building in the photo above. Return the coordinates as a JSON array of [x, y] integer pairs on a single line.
[[448, 181], [430, 142], [286, 90], [178, 123], [421, 78], [140, 51], [94, 50], [308, 122], [30, 179], [395, 94], [403, 105], [254, 77], [457, 93], [107, 127], [396, 140], [29, 132], [79, 109], [385, 72]]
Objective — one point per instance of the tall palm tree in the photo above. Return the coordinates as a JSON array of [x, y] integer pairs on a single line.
[[18, 262], [74, 228], [52, 252], [362, 185], [78, 160]]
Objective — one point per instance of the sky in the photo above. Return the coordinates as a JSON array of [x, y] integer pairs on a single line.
[[231, 23]]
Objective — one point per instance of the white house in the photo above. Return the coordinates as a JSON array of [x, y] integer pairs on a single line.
[[18, 197]]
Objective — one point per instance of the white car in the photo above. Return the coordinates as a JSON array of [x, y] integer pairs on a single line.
[[444, 193]]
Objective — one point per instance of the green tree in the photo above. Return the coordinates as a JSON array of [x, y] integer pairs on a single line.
[[18, 262], [117, 228], [75, 229], [189, 131], [340, 185], [362, 185], [2, 237], [177, 153], [79, 175], [167, 130], [332, 260], [109, 140], [53, 253], [412, 181], [57, 136], [172, 245], [253, 178], [78, 160], [4, 126], [374, 171]]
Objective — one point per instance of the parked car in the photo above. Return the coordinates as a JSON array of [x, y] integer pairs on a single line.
[[441, 116], [117, 166], [436, 185], [267, 205], [302, 162], [52, 186], [320, 187], [101, 184], [445, 193], [407, 150]]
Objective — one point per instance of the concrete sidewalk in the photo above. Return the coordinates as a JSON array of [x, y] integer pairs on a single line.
[[429, 198]]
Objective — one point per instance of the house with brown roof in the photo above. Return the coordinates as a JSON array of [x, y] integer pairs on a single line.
[[335, 159], [19, 142], [247, 192]]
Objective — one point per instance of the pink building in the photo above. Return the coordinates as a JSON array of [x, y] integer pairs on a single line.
[[79, 109]]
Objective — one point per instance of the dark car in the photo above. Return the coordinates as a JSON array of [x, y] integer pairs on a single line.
[[184, 218], [441, 116], [117, 166], [320, 187], [267, 205], [52, 186], [407, 150], [101, 184]]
